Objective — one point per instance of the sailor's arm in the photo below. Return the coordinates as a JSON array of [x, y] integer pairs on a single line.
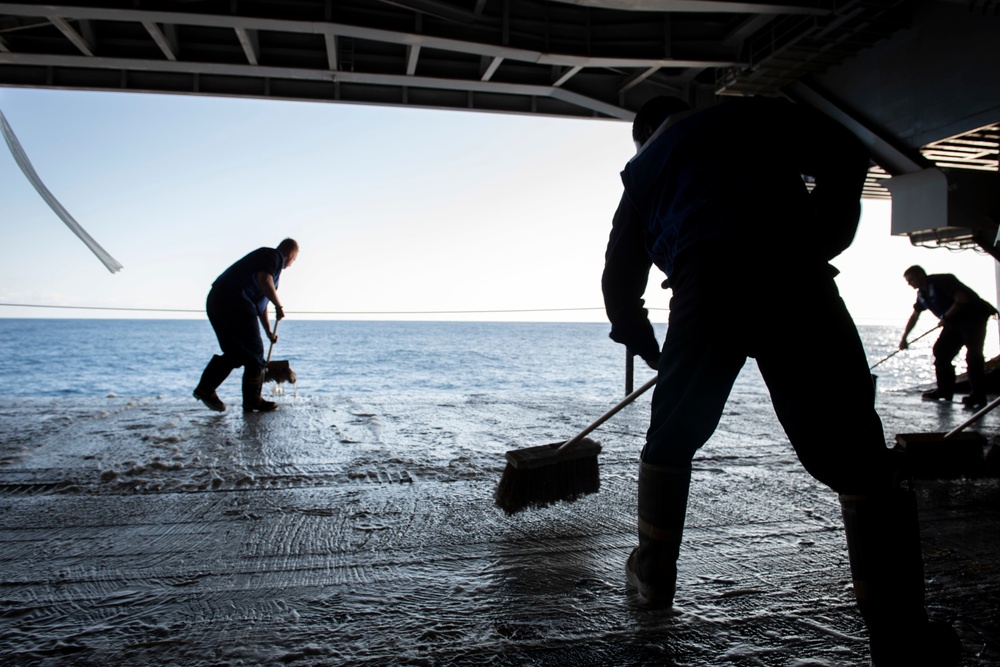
[[267, 288], [626, 271], [959, 300], [910, 323], [839, 162]]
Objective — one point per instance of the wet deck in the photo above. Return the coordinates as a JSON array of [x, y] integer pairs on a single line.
[[348, 531]]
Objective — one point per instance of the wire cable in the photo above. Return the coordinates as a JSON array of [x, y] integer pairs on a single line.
[[319, 312]]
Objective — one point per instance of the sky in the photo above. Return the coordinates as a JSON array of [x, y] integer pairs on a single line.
[[400, 213]]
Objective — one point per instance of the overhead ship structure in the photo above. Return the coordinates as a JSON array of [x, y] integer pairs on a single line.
[[917, 81]]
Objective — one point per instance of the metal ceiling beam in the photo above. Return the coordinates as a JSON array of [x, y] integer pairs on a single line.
[[491, 68], [434, 8], [166, 45], [637, 78], [356, 32], [412, 56], [747, 29], [248, 40], [71, 34], [700, 6], [569, 74], [886, 152], [331, 51], [258, 71]]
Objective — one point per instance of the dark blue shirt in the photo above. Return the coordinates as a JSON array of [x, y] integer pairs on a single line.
[[730, 177], [241, 277], [734, 172], [938, 296]]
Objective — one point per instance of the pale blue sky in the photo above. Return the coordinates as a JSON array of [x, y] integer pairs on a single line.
[[395, 209]]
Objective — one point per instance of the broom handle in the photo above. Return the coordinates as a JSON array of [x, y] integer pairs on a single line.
[[608, 415], [893, 354], [274, 332], [974, 418]]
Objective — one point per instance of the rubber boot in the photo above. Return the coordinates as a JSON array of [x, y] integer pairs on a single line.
[[974, 401], [214, 374], [253, 382], [651, 568], [883, 542], [937, 395], [976, 371], [944, 372]]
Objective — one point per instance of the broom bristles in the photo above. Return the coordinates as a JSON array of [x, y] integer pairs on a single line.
[[540, 476]]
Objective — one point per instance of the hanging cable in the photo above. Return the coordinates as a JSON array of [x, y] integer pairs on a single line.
[[319, 312], [29, 172]]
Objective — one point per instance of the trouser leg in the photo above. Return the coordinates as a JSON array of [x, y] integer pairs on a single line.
[[839, 439], [945, 350], [832, 424], [883, 543], [698, 365], [215, 373], [237, 328], [975, 339], [697, 368], [253, 382]]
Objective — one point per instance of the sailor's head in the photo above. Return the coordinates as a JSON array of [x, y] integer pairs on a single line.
[[289, 249], [915, 276], [652, 114]]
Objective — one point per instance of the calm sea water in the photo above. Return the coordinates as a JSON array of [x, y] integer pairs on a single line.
[[77, 357]]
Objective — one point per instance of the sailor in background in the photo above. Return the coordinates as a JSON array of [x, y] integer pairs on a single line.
[[963, 315], [236, 303]]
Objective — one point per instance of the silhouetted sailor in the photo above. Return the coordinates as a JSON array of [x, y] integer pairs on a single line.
[[963, 316], [717, 200], [236, 303]]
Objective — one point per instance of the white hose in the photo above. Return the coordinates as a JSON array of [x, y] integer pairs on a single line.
[[22, 160]]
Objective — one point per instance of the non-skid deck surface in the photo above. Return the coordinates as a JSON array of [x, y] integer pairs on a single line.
[[361, 531]]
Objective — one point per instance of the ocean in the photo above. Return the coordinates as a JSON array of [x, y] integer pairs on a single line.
[[99, 357]]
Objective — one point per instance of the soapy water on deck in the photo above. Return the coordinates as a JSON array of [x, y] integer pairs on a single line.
[[358, 529], [341, 532]]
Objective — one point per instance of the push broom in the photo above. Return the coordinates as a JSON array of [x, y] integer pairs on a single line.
[[895, 352], [277, 371], [274, 332], [545, 474]]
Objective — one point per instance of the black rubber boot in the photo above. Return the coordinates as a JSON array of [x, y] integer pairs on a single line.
[[883, 542], [214, 374], [976, 372], [937, 395], [253, 382], [974, 401], [651, 568], [944, 372]]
